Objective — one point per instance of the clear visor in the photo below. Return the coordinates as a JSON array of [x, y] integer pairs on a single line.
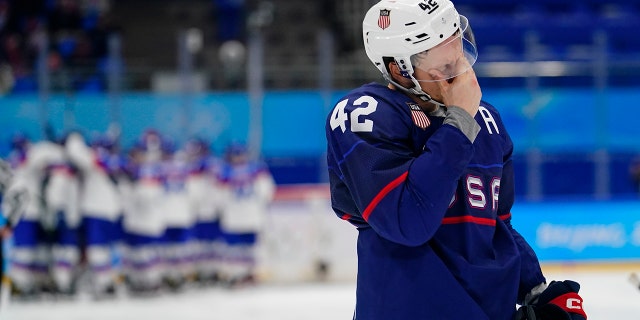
[[449, 59]]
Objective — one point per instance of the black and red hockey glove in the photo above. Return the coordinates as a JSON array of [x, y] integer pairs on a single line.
[[559, 301]]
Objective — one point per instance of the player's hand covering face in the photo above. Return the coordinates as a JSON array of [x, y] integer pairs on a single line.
[[449, 59]]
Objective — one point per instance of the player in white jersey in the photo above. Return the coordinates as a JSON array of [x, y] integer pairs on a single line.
[[204, 194], [29, 257], [179, 221], [143, 222], [13, 200], [101, 208], [249, 188], [61, 221]]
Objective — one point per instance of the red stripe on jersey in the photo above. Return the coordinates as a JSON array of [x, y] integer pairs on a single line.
[[505, 216], [396, 182], [469, 219], [346, 216]]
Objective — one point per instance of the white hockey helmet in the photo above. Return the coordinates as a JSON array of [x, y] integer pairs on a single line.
[[405, 31]]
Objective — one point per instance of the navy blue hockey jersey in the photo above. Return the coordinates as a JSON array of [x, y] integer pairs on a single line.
[[431, 207]]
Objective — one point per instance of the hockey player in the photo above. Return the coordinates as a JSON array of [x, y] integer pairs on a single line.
[[100, 207], [179, 221], [143, 222], [61, 221], [13, 200], [248, 189], [30, 256], [423, 168], [204, 193]]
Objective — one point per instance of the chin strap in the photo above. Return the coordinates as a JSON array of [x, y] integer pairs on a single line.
[[416, 92]]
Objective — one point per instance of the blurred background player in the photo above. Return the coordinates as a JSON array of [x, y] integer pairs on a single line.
[[13, 199], [61, 221], [248, 189], [100, 207], [205, 198], [144, 223], [179, 219], [31, 253]]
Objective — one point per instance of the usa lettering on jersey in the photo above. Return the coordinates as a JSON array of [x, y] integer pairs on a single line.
[[477, 194]]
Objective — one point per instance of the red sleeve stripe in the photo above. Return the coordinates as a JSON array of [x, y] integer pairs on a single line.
[[469, 219], [346, 216], [392, 185], [505, 216]]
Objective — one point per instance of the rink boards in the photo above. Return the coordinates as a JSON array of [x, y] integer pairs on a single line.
[[303, 234]]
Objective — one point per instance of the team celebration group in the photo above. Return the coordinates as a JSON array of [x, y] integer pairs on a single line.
[[154, 217]]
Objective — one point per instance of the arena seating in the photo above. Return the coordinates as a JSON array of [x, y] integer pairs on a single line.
[[572, 31]]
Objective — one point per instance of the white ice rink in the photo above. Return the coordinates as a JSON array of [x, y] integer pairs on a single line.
[[607, 294]]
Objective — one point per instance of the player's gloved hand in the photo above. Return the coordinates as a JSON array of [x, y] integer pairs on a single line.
[[559, 301]]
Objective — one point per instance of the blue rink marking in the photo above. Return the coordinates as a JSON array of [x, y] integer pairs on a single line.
[[561, 231]]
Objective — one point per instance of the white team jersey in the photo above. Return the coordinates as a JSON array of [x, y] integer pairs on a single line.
[[245, 208], [61, 195], [31, 172], [204, 194], [126, 191], [176, 209], [100, 197], [145, 217]]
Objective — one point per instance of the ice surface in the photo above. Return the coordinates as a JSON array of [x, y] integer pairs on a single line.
[[264, 302], [607, 295]]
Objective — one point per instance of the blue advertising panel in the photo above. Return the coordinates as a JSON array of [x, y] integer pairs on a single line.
[[556, 120], [580, 231]]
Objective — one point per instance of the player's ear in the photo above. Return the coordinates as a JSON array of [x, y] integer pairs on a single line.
[[397, 76]]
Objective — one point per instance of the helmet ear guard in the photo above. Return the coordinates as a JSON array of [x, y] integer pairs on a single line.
[[416, 90], [406, 70]]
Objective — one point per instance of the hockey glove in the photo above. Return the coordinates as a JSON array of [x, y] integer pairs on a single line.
[[559, 301]]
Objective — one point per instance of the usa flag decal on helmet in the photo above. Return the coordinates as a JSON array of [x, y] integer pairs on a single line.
[[384, 20], [420, 119]]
